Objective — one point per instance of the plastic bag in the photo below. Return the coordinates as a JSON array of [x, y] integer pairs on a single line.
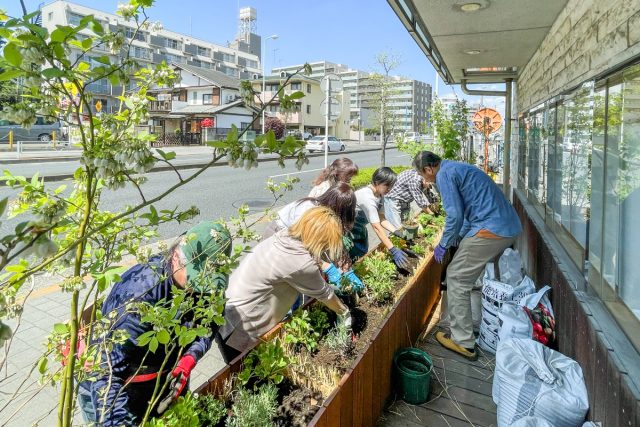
[[532, 422], [510, 265], [531, 380], [538, 309], [494, 295]]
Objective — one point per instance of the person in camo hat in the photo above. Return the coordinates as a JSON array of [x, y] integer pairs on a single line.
[[118, 394]]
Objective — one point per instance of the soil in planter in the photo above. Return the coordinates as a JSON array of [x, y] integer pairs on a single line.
[[298, 408], [366, 316]]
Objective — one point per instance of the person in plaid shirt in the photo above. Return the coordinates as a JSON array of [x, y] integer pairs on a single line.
[[409, 187]]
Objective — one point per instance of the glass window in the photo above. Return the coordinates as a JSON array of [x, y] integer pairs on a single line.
[[139, 52], [296, 86], [194, 97], [576, 162], [131, 33], [308, 108], [74, 18], [523, 124], [173, 44], [308, 88], [203, 51], [207, 98]]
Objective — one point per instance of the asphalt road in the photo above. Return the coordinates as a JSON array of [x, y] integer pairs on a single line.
[[219, 191]]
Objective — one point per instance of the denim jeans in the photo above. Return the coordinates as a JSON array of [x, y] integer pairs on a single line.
[[86, 403]]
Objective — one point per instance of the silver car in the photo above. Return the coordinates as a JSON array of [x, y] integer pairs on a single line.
[[42, 130], [317, 144]]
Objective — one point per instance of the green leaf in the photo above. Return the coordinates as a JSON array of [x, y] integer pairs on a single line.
[[95, 26], [218, 144], [296, 95], [52, 72], [145, 338], [153, 345], [167, 156], [12, 54], [42, 365], [104, 59], [163, 336], [10, 74], [61, 33], [60, 328], [87, 43], [83, 66], [3, 205]]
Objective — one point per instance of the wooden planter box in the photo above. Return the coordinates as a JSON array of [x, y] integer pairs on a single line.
[[363, 390]]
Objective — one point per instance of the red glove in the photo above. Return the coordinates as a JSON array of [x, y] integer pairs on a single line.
[[182, 372]]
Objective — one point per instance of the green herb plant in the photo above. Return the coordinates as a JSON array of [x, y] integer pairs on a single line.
[[254, 409], [339, 340], [379, 277], [418, 249], [300, 332], [319, 319], [183, 412], [267, 363], [211, 410]]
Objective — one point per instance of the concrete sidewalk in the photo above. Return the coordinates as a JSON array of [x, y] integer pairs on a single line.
[[45, 306]]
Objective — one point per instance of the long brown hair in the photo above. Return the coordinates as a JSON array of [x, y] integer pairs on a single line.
[[340, 170], [342, 200]]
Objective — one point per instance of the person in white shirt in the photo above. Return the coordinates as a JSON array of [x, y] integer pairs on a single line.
[[368, 211]]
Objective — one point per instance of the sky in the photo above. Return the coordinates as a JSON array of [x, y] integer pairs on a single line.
[[349, 32]]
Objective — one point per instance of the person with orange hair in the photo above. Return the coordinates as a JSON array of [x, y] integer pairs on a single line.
[[268, 280]]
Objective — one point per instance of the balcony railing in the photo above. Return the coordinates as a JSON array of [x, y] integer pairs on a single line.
[[166, 106]]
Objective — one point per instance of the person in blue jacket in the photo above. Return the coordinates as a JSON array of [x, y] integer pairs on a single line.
[[119, 393], [481, 222]]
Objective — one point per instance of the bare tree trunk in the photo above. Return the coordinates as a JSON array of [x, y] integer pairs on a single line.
[[383, 145]]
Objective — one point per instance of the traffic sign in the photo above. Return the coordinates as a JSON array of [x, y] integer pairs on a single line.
[[335, 108]]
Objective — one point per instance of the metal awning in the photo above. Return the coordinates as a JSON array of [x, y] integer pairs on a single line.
[[480, 41]]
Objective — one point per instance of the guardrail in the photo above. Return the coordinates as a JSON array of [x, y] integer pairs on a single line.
[[39, 147]]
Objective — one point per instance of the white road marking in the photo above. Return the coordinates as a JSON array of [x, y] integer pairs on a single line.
[[296, 173]]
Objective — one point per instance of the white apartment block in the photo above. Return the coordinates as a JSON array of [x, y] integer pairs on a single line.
[[411, 103], [152, 47]]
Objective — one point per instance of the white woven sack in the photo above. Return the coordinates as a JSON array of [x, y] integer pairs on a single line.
[[531, 380]]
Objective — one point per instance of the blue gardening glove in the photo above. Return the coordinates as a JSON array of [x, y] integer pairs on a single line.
[[400, 259], [439, 252], [333, 274], [355, 281]]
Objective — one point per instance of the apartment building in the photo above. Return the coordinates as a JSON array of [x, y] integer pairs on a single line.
[[154, 46], [307, 116], [410, 105]]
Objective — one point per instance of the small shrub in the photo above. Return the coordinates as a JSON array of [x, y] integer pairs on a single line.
[[254, 409], [267, 363], [418, 249], [363, 177], [319, 319], [379, 276], [276, 125], [300, 332], [182, 413], [339, 340], [211, 410]]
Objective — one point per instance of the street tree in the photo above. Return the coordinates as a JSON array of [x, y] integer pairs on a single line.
[[381, 90], [66, 230], [451, 126]]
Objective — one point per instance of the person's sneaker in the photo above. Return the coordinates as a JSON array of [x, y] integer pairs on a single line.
[[446, 341]]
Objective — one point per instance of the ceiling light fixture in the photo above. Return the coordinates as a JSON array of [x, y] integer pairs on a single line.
[[470, 7], [473, 52]]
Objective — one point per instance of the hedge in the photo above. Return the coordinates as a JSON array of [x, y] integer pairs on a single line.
[[363, 178]]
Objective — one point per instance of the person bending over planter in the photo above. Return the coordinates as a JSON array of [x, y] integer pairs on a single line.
[[341, 199], [340, 170], [119, 393], [367, 211], [480, 215], [268, 280], [409, 187]]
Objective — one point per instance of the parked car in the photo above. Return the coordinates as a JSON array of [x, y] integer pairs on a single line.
[[42, 130], [317, 144], [413, 137], [299, 135], [307, 135]]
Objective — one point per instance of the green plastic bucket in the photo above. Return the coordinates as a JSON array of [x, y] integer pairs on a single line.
[[412, 372]]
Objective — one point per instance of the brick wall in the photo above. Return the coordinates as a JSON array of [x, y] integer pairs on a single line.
[[588, 38]]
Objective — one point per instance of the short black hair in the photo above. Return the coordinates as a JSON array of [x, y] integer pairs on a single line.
[[426, 159], [384, 175]]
